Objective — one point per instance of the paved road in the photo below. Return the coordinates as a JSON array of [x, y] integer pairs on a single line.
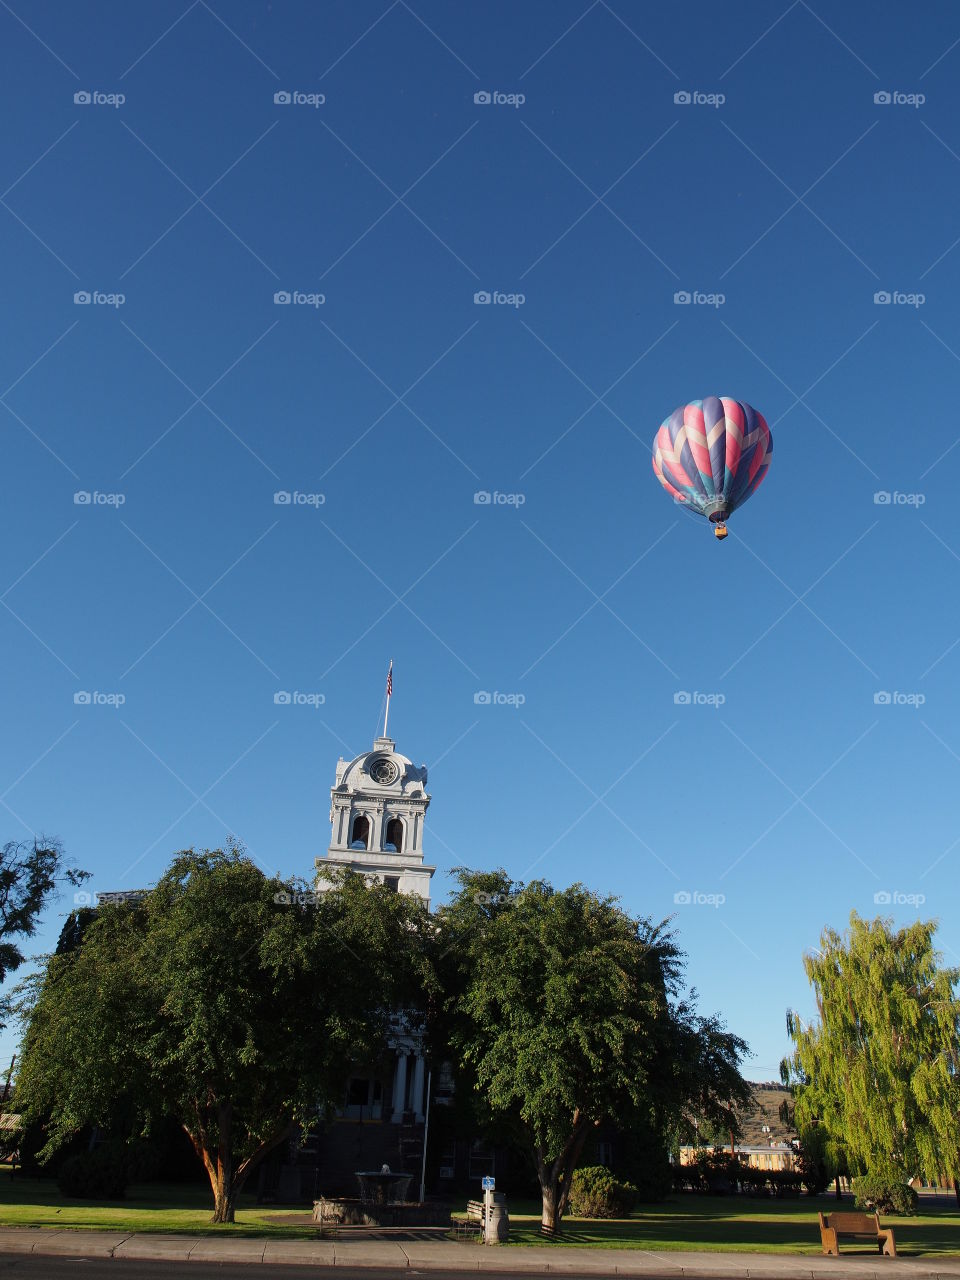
[[31, 1267]]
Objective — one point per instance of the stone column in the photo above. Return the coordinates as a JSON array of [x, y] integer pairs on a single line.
[[399, 1088], [416, 1100]]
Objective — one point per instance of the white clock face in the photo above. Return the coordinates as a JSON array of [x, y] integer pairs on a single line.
[[384, 771]]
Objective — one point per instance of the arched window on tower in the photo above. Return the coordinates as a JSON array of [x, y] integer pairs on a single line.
[[360, 836], [395, 835]]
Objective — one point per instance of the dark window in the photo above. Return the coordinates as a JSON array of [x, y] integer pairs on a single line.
[[360, 837], [481, 1159], [395, 835], [357, 1092], [392, 883]]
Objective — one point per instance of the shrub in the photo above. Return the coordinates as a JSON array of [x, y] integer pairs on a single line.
[[785, 1182], [885, 1191], [596, 1193], [101, 1174]]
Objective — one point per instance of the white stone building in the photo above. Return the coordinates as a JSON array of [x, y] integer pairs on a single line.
[[377, 808]]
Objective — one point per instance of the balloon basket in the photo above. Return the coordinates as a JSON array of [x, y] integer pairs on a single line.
[[720, 531]]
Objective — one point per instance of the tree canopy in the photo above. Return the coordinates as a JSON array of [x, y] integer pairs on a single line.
[[563, 1011], [880, 1067], [29, 871], [232, 1001]]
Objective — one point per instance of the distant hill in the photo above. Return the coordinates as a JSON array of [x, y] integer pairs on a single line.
[[765, 1109]]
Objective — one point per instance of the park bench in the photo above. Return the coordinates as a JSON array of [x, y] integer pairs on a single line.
[[861, 1225], [469, 1225]]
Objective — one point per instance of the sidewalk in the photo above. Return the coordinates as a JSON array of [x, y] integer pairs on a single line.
[[444, 1255]]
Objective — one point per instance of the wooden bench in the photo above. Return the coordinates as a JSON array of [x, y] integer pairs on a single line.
[[469, 1225], [861, 1225]]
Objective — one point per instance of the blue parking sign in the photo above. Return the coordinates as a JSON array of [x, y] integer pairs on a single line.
[[488, 1184]]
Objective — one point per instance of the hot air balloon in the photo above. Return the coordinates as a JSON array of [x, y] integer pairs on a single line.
[[711, 455]]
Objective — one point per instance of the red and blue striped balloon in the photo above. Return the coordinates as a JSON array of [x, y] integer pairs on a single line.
[[712, 454]]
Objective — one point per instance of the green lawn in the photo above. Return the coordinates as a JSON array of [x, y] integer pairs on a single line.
[[36, 1202], [737, 1224], [683, 1222]]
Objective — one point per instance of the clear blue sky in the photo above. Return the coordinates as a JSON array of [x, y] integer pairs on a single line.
[[798, 198]]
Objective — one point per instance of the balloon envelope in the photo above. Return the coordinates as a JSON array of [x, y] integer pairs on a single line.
[[712, 454]]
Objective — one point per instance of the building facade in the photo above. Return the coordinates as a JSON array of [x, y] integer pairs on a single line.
[[378, 804]]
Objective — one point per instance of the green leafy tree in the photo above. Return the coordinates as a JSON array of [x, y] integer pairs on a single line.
[[29, 872], [562, 1012], [230, 1001], [880, 1068]]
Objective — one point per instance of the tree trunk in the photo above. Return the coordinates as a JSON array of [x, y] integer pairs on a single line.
[[226, 1183], [839, 1193], [549, 1218], [555, 1177], [956, 1189]]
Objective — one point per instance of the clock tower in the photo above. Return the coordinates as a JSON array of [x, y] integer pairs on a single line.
[[377, 807]]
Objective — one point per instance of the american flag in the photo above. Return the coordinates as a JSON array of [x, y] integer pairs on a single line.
[[390, 680]]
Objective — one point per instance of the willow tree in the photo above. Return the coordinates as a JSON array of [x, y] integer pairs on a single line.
[[880, 1067], [231, 1001]]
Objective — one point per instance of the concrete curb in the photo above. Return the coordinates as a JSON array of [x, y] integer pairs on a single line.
[[443, 1255]]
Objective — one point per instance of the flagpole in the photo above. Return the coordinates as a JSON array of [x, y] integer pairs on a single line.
[[386, 713]]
